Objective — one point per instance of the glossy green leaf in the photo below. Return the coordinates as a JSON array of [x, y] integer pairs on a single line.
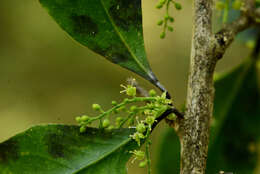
[[60, 149], [111, 28], [235, 130]]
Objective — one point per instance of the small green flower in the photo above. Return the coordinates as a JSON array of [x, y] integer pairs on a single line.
[[139, 155], [137, 137], [140, 128], [150, 120]]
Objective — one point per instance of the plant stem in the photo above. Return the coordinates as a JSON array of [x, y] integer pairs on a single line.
[[194, 128]]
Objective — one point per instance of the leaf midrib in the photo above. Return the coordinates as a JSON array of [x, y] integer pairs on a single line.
[[123, 40]]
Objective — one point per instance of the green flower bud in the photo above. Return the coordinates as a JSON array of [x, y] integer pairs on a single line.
[[160, 22], [133, 108], [96, 107], [162, 35], [78, 119], [170, 28], [85, 118], [152, 93], [177, 6], [114, 103], [105, 123], [143, 164], [166, 17], [171, 19], [82, 129], [159, 5], [111, 127], [172, 117], [140, 128]]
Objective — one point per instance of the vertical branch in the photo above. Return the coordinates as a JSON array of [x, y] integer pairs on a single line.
[[194, 128]]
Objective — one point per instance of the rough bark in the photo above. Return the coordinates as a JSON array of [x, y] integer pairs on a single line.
[[207, 49], [194, 128]]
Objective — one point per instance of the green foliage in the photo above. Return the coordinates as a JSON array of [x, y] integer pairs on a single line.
[[167, 18], [235, 128], [111, 28], [142, 117], [236, 132], [60, 149]]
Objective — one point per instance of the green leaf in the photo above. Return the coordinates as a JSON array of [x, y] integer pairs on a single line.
[[236, 126], [236, 130], [61, 149], [168, 153], [111, 28]]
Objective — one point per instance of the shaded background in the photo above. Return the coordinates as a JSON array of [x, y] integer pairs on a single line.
[[46, 77]]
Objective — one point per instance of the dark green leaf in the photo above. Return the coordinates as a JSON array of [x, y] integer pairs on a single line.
[[236, 130], [60, 149], [236, 126], [111, 28], [169, 153]]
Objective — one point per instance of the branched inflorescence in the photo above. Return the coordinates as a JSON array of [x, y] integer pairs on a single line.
[[167, 18], [141, 114]]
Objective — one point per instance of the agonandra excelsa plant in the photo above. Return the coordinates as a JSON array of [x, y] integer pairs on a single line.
[[113, 29]]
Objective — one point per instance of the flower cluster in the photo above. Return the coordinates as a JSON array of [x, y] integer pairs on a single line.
[[141, 113], [167, 18]]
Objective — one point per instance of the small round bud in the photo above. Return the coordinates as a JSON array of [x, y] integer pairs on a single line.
[[114, 103], [78, 119], [150, 120], [162, 35], [82, 129], [111, 127], [172, 117], [171, 19], [159, 6], [177, 6], [166, 17], [170, 28], [96, 107], [141, 128], [105, 123], [152, 93], [133, 108], [143, 164], [85, 118], [160, 22]]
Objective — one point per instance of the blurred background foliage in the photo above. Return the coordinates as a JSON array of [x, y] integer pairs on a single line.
[[46, 77]]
